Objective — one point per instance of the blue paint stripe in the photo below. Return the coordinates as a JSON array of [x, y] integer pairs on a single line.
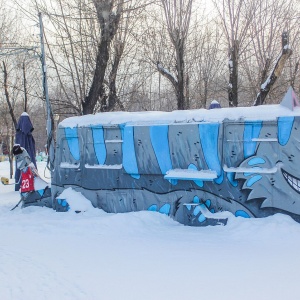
[[196, 199], [196, 211], [285, 125], [160, 143], [209, 133], [241, 213], [251, 130], [256, 161], [73, 141], [201, 218], [152, 207], [230, 177], [254, 179], [165, 209], [99, 144], [207, 203], [129, 156]]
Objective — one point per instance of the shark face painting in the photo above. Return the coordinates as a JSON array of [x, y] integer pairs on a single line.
[[188, 170], [279, 191]]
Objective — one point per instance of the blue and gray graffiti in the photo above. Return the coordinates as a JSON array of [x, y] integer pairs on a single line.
[[125, 168]]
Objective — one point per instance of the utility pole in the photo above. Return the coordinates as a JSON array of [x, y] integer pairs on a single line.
[[25, 88], [50, 121]]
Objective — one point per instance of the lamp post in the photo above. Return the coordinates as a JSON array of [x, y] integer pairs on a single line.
[[56, 121], [50, 120]]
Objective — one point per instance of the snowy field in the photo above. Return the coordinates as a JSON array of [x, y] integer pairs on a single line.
[[142, 255]]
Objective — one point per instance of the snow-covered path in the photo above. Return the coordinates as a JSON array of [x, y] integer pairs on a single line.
[[143, 255]]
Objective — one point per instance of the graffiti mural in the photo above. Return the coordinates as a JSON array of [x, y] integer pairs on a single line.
[[187, 170]]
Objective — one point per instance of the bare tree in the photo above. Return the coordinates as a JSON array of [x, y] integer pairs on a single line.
[[264, 35], [122, 46], [236, 16], [19, 74], [7, 135], [91, 36], [206, 62], [177, 16], [108, 15], [7, 97], [285, 53], [187, 50]]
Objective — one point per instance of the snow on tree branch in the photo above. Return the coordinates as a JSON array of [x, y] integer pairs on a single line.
[[166, 73]]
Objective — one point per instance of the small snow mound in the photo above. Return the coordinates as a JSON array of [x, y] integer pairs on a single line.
[[76, 200]]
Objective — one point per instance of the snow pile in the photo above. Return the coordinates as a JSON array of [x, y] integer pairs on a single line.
[[142, 255], [76, 200]]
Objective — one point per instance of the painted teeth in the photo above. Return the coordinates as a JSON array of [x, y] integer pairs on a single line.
[[292, 181]]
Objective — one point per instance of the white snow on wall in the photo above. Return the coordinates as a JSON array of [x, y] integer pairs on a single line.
[[186, 174], [87, 166], [262, 112], [255, 170], [66, 165]]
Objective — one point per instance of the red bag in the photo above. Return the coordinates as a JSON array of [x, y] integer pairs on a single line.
[[27, 183]]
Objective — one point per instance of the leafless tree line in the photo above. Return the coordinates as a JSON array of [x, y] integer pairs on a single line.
[[105, 55], [167, 54]]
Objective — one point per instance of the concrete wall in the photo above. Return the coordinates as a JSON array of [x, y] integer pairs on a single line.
[[125, 168]]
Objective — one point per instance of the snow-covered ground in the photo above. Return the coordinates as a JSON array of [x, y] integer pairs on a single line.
[[142, 255]]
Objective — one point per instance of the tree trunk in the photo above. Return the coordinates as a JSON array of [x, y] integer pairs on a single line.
[[294, 74], [286, 52], [205, 92], [178, 17], [187, 91], [96, 90], [113, 99], [11, 142], [109, 22], [181, 105], [233, 75], [11, 111], [178, 82]]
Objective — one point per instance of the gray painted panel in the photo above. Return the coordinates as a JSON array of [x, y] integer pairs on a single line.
[[254, 189]]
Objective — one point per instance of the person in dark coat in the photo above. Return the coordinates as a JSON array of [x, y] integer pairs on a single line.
[[25, 139]]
